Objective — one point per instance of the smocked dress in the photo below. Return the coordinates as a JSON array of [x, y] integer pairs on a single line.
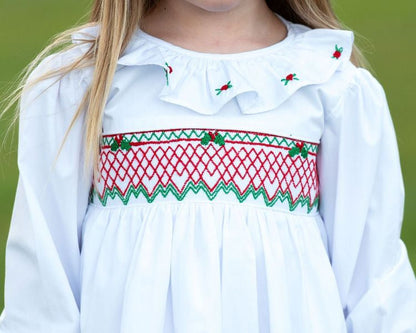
[[252, 192]]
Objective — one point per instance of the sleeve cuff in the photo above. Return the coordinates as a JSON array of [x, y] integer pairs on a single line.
[[390, 304]]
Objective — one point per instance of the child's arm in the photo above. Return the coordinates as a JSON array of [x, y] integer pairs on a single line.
[[362, 197], [43, 248]]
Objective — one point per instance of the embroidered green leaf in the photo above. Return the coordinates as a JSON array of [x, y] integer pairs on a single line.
[[304, 152], [114, 146], [206, 139], [125, 145], [219, 139], [294, 151]]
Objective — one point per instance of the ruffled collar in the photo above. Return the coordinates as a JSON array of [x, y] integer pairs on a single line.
[[260, 80]]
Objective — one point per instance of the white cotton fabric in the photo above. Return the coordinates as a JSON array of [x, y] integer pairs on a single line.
[[210, 266]]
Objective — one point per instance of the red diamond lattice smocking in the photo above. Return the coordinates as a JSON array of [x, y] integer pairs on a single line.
[[178, 162]]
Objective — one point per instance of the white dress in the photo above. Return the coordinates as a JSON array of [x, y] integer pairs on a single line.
[[251, 192]]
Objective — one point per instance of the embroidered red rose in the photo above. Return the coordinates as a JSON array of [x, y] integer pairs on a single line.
[[289, 77], [337, 53], [224, 87]]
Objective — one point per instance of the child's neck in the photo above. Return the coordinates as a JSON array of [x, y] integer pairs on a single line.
[[247, 25]]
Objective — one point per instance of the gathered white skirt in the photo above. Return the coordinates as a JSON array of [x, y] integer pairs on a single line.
[[206, 267]]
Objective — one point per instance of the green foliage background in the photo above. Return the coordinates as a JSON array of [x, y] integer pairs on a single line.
[[27, 25]]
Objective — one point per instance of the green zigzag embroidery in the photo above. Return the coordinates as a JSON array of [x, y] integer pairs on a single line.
[[188, 134], [164, 191]]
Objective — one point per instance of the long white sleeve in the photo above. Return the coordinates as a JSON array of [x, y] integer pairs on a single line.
[[362, 200], [43, 248]]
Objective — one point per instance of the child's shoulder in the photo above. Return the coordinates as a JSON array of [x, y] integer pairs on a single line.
[[352, 85], [58, 73], [349, 76], [79, 45]]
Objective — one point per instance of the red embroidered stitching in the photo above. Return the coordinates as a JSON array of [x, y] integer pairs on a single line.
[[223, 88], [289, 77], [178, 164], [337, 53]]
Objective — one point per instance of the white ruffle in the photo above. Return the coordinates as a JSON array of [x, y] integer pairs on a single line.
[[195, 75]]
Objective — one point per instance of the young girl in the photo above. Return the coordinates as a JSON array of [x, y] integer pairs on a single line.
[[207, 166]]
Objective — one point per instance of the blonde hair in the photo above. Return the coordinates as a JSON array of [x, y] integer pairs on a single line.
[[118, 19]]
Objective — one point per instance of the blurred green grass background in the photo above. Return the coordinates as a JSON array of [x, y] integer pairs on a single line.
[[27, 25]]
